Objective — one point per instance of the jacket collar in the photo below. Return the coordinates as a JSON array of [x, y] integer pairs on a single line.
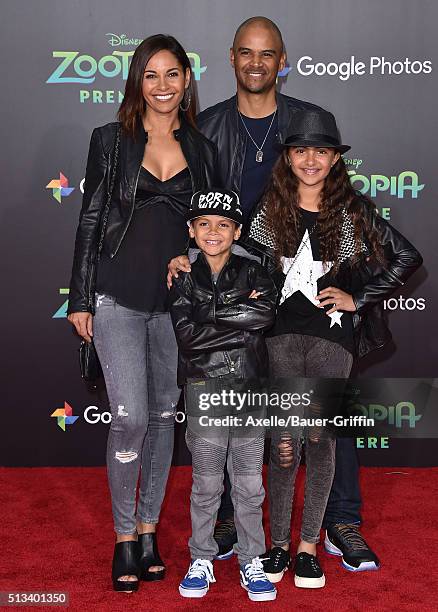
[[202, 265], [132, 150]]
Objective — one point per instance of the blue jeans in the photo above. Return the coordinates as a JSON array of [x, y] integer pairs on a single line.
[[138, 354], [344, 501]]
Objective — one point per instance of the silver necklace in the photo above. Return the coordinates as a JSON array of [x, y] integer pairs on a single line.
[[259, 153]]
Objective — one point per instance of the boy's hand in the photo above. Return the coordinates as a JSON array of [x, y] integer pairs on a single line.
[[254, 294], [175, 265]]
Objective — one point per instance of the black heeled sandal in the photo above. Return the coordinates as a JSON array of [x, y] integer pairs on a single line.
[[149, 556], [125, 563]]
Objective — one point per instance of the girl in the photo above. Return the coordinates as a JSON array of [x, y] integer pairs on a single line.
[[338, 261]]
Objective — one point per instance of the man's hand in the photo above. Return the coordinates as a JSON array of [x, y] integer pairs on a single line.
[[83, 322], [175, 265], [254, 294]]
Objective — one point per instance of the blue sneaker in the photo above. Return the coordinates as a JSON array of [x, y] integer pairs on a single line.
[[197, 580], [253, 579]]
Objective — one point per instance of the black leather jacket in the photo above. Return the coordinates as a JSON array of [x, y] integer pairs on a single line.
[[220, 124], [368, 282], [218, 328], [201, 157]]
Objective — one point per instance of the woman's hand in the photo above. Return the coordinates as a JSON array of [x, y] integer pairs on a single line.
[[175, 265], [340, 300], [83, 322], [254, 294]]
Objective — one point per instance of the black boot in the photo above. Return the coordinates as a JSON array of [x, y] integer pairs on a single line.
[[125, 563], [149, 556]]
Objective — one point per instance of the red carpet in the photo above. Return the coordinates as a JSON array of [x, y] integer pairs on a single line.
[[57, 536]]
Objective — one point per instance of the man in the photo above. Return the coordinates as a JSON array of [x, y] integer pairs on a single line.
[[247, 129]]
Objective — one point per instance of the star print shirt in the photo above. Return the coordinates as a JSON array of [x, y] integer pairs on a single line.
[[304, 276]]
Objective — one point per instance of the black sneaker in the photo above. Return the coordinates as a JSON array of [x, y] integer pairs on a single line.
[[308, 573], [347, 542], [275, 563], [225, 535]]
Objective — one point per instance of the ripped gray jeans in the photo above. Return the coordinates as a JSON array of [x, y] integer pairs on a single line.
[[138, 353]]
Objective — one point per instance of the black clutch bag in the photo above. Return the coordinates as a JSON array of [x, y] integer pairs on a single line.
[[89, 363]]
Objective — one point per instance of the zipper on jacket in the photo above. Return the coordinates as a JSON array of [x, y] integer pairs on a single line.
[[230, 363], [186, 157], [130, 216], [214, 284], [88, 292]]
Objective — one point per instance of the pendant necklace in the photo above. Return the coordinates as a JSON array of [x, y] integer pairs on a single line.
[[259, 153]]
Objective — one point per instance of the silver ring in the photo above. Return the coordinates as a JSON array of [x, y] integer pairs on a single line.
[[334, 305]]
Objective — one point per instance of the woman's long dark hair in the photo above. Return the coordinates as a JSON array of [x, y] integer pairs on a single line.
[[133, 105], [283, 217]]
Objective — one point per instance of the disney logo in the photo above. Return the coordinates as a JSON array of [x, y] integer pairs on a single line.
[[116, 40]]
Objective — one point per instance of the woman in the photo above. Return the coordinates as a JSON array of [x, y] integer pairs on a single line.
[[162, 161], [336, 262]]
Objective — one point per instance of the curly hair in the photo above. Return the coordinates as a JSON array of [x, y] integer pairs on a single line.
[[281, 205]]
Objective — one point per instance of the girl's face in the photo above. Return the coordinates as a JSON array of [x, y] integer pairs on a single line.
[[164, 82], [311, 165]]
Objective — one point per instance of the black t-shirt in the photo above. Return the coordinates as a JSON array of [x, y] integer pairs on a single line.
[[305, 276], [255, 175], [136, 276]]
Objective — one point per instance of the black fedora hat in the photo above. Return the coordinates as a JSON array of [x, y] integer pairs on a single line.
[[314, 128]]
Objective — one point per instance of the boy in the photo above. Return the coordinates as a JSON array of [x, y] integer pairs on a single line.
[[219, 311]]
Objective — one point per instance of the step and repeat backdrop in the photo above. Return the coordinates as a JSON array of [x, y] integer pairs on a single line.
[[64, 67]]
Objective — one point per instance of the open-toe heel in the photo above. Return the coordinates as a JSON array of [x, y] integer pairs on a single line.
[[125, 563], [149, 557]]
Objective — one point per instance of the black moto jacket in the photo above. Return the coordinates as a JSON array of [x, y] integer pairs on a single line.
[[201, 157], [218, 328], [368, 282], [220, 124]]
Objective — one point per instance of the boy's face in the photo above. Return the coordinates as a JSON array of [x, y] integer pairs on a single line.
[[214, 235]]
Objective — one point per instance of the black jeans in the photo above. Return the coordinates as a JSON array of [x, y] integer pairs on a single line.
[[344, 501]]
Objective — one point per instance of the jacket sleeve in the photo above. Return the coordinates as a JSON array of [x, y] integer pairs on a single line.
[[193, 337], [402, 259], [251, 314], [266, 255], [89, 218]]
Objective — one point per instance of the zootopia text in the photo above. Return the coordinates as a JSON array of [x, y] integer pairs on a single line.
[[396, 185], [75, 68]]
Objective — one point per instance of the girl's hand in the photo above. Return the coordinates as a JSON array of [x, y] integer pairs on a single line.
[[340, 300], [83, 322], [254, 294]]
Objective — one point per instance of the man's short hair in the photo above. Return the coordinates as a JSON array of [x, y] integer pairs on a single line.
[[263, 21]]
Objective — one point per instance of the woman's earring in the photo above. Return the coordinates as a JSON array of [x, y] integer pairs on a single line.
[[185, 102]]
